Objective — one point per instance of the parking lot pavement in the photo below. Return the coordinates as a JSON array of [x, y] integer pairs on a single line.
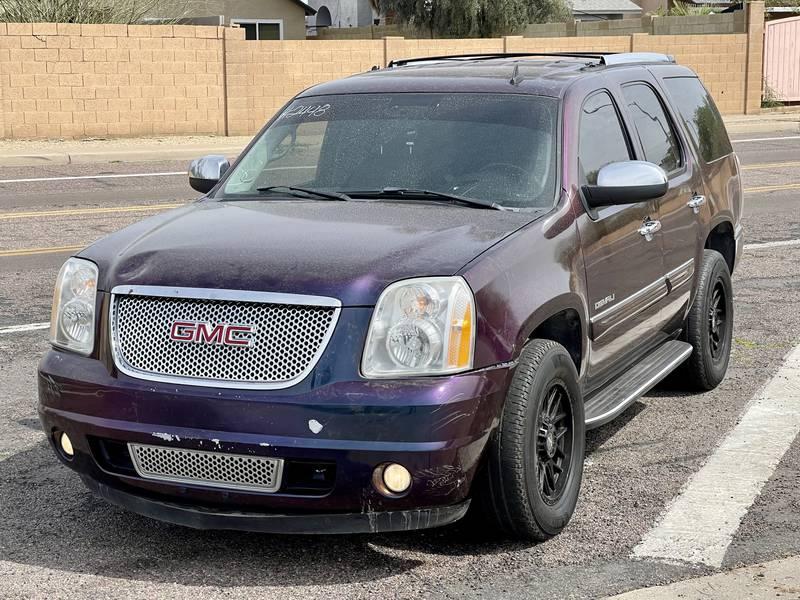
[[56, 540]]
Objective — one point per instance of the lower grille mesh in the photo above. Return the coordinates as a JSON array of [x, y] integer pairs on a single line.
[[217, 469]]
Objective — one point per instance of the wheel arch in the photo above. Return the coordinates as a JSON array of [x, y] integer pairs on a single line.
[[721, 238], [562, 320]]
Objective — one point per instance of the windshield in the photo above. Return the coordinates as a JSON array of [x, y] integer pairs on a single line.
[[496, 148]]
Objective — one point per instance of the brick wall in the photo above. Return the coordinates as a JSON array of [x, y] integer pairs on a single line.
[[700, 24], [614, 27], [70, 80], [372, 32], [719, 60], [584, 44], [754, 68], [655, 25], [262, 76], [65, 80]]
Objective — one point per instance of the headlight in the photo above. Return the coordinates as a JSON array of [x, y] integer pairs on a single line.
[[73, 317], [421, 327]]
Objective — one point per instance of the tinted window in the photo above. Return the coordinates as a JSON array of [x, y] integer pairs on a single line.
[[500, 148], [653, 127], [602, 140], [700, 115]]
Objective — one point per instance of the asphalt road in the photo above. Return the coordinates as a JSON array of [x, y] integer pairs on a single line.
[[56, 540]]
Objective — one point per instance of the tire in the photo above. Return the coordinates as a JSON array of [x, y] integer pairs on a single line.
[[709, 326], [511, 497]]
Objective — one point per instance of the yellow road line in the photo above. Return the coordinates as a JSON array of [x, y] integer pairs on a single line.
[[146, 207], [772, 188], [88, 211], [32, 251], [776, 165]]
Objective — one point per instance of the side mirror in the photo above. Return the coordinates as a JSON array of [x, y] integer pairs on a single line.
[[626, 182], [205, 173]]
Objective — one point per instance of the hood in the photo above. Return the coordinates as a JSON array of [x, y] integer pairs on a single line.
[[345, 250]]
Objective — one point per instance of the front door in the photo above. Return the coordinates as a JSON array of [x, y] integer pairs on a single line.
[[624, 267], [678, 209]]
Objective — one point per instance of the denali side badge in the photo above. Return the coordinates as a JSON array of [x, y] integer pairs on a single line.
[[601, 303], [206, 333]]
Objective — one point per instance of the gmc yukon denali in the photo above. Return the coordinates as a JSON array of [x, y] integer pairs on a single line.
[[409, 297]]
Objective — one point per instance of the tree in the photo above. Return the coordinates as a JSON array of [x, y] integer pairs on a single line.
[[78, 11], [476, 18]]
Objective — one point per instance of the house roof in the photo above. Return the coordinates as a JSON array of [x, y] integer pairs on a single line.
[[309, 11], [604, 6]]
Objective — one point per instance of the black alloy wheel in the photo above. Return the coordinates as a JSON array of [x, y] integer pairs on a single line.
[[554, 443], [717, 320]]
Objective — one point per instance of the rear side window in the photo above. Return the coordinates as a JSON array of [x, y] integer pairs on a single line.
[[653, 126], [601, 138], [698, 111]]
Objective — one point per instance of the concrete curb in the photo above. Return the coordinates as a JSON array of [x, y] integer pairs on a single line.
[[764, 127], [767, 580], [108, 156]]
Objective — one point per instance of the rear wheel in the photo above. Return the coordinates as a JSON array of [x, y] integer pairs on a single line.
[[534, 461], [709, 326]]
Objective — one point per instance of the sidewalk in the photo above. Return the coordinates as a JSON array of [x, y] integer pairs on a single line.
[[767, 122], [779, 578], [21, 153]]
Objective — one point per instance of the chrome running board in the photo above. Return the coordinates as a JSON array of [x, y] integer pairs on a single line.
[[612, 400]]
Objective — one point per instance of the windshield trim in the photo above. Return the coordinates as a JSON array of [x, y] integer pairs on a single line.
[[217, 194]]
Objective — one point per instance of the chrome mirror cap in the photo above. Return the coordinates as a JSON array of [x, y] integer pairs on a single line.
[[205, 173], [626, 182]]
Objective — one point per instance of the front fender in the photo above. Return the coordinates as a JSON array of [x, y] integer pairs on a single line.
[[525, 279]]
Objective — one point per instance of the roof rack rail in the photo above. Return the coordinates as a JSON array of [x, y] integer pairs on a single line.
[[489, 56], [626, 58], [603, 58]]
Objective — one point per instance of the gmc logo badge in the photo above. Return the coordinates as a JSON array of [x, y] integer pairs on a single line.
[[206, 333]]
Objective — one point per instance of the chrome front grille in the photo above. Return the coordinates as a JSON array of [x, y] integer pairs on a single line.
[[216, 469], [289, 334]]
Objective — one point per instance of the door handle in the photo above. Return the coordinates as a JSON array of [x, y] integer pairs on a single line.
[[696, 202], [649, 228]]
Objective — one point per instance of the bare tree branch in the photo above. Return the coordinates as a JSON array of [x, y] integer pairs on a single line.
[[476, 18], [89, 11]]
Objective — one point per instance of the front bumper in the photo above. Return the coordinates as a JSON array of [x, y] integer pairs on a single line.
[[435, 427], [331, 523]]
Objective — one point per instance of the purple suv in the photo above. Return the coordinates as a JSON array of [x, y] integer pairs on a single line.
[[414, 290]]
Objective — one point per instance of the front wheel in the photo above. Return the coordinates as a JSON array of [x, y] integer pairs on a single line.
[[534, 461]]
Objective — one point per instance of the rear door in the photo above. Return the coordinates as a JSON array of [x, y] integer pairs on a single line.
[[658, 142], [624, 270]]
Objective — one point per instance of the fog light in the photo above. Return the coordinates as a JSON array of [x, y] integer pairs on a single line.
[[66, 444], [392, 479]]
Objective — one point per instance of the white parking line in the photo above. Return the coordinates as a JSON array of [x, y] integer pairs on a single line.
[[778, 244], [700, 523], [21, 328], [17, 439], [111, 176], [772, 139]]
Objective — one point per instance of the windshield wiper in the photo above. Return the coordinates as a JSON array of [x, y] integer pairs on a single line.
[[301, 192], [397, 192]]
